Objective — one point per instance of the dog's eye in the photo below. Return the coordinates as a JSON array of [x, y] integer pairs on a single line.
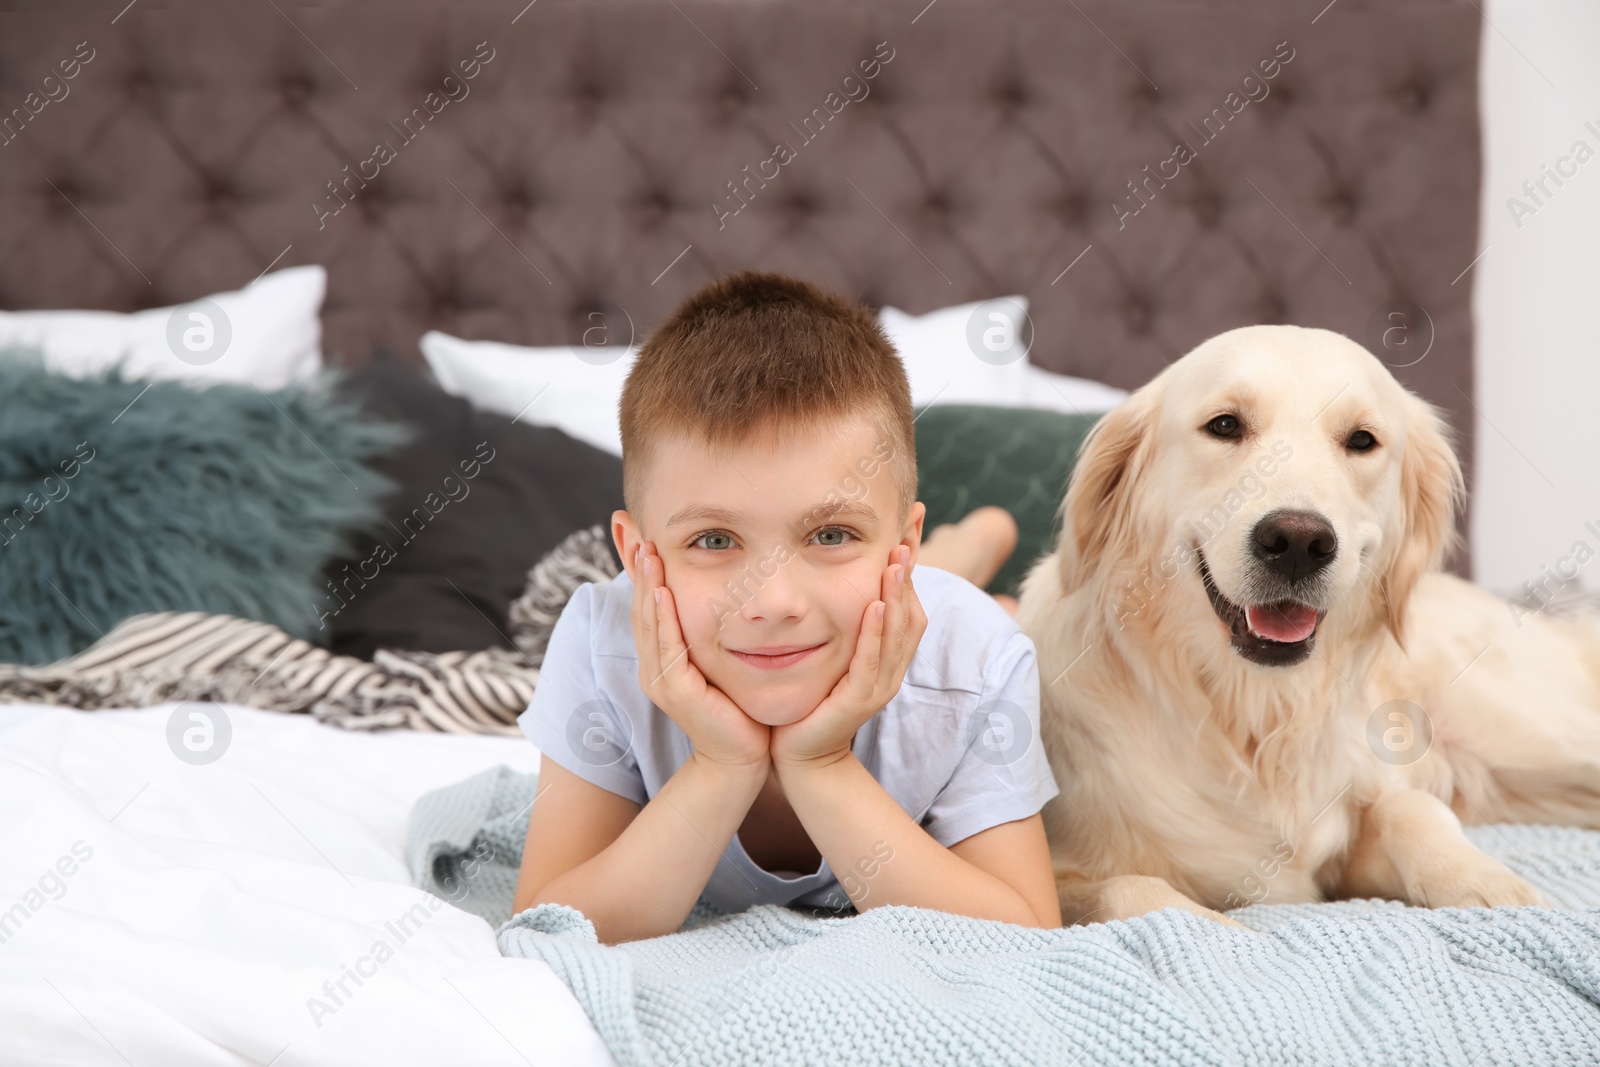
[[1223, 426], [1361, 441]]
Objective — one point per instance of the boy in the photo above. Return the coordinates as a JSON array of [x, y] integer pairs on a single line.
[[759, 710]]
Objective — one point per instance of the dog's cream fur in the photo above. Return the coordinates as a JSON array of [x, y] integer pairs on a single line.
[[1193, 776]]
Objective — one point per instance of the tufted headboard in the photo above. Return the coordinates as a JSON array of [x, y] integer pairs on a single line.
[[1147, 173]]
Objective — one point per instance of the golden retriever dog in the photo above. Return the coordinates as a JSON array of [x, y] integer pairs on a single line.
[[1257, 683]]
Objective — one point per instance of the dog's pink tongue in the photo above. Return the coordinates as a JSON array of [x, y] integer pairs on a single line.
[[1287, 622]]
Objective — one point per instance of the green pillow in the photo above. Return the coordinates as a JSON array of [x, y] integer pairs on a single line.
[[125, 496], [1018, 458]]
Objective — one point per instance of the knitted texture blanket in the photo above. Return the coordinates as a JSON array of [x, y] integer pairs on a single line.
[[1353, 982]]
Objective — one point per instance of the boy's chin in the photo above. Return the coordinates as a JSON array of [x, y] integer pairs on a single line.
[[771, 706], [770, 716]]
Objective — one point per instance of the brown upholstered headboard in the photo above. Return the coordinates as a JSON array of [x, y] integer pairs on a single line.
[[605, 158]]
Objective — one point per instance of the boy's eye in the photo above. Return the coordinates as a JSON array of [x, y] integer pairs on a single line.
[[830, 531], [714, 534]]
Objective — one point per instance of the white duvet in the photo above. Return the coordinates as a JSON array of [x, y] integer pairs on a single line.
[[253, 910]]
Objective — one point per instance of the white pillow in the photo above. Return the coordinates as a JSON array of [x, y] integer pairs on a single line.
[[538, 386], [581, 395], [976, 354], [1077, 396], [967, 354], [268, 334]]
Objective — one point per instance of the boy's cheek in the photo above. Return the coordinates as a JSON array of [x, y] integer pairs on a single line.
[[702, 633], [839, 666], [702, 619]]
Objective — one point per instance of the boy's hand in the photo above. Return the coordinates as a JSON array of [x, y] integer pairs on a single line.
[[884, 650], [718, 728]]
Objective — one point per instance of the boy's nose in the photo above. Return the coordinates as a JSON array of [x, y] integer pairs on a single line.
[[773, 598]]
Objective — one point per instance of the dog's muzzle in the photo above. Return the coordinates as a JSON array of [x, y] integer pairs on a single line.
[[1276, 633]]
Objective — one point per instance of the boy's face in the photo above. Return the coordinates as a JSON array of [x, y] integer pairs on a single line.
[[758, 558]]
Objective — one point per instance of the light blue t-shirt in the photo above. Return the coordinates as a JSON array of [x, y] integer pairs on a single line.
[[957, 747]]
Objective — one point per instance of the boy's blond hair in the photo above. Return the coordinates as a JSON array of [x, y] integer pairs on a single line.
[[757, 356]]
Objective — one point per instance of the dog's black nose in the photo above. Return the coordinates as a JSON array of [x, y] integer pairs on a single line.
[[1295, 544]]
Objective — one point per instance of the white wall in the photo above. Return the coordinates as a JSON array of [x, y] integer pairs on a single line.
[[1536, 294]]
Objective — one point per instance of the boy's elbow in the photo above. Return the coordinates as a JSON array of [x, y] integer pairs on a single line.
[[526, 895], [604, 930], [1027, 915], [1048, 913], [522, 904], [1045, 920], [542, 895], [531, 896], [1040, 910]]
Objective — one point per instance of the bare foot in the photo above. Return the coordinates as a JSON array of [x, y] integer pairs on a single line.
[[975, 548]]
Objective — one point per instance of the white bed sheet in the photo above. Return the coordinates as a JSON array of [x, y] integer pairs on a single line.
[[216, 901]]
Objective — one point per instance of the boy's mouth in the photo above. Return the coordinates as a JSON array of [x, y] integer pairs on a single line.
[[775, 657]]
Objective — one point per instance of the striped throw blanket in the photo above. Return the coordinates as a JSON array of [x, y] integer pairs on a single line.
[[175, 656]]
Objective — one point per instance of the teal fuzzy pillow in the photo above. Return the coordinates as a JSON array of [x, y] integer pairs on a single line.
[[1018, 458], [126, 496]]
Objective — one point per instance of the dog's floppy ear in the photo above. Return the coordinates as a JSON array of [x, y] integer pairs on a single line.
[[1432, 489], [1098, 509]]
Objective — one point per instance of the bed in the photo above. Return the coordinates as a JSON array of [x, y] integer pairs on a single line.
[[560, 175], [259, 910]]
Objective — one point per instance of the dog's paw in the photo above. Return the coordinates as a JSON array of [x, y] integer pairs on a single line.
[[1487, 883]]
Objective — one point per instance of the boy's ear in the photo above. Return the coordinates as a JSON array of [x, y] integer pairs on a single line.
[[625, 536], [911, 533]]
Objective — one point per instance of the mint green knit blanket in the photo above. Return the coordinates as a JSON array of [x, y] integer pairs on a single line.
[[1355, 982]]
